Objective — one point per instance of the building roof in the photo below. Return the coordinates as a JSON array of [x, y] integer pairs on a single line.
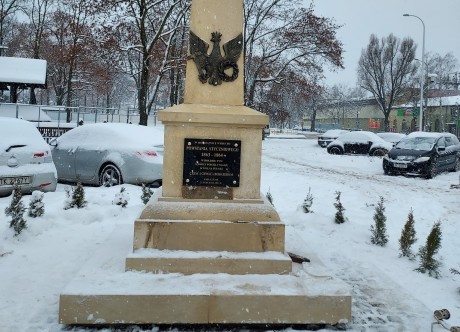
[[22, 71]]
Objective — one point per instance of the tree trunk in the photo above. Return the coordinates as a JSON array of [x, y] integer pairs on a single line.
[[13, 93], [69, 96], [33, 97]]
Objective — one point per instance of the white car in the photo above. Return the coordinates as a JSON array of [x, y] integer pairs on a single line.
[[25, 158], [109, 154], [360, 142], [329, 136]]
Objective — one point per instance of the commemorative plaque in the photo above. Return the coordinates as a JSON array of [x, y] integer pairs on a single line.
[[211, 162]]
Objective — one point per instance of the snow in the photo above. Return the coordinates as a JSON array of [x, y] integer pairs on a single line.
[[22, 70], [29, 135], [388, 295], [123, 137]]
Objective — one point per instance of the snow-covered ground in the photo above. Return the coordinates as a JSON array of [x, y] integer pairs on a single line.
[[388, 295]]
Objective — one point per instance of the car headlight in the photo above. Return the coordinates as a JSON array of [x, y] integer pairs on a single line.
[[421, 159]]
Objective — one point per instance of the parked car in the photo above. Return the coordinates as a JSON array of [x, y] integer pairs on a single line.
[[424, 154], [266, 131], [329, 136], [391, 137], [25, 158], [109, 154], [359, 142]]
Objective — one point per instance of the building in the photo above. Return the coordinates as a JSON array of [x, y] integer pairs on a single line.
[[440, 114]]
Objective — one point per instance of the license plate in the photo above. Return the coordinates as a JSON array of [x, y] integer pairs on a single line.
[[10, 181], [400, 165]]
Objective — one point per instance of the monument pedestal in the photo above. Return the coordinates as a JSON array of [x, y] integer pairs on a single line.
[[209, 248]]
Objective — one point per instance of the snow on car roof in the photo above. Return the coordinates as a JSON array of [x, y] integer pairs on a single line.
[[427, 134], [113, 135], [17, 132], [358, 136], [334, 132]]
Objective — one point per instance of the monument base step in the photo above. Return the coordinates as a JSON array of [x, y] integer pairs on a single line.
[[104, 293], [191, 262]]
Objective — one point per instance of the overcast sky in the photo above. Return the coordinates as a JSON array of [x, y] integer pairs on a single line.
[[361, 18]]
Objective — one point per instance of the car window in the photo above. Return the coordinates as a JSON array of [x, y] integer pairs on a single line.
[[449, 141], [417, 143]]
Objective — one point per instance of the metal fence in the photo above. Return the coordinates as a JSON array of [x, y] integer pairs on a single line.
[[51, 121]]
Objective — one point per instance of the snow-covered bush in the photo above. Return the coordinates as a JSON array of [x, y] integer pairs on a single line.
[[121, 198], [379, 229], [146, 194], [16, 211], [428, 263], [36, 205], [339, 216], [408, 237]]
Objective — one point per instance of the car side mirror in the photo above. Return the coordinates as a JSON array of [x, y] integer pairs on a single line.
[[53, 142], [441, 148]]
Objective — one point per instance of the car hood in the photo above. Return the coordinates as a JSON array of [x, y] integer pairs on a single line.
[[411, 154]]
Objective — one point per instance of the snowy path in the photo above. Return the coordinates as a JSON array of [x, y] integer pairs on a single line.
[[380, 303]]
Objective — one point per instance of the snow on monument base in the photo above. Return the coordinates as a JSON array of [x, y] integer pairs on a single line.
[[104, 293]]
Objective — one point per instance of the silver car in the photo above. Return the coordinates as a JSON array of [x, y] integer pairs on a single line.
[[25, 158], [109, 154]]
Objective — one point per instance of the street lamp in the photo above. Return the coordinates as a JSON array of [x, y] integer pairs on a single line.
[[422, 74], [458, 122]]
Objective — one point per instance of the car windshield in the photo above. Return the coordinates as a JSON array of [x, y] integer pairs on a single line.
[[417, 143]]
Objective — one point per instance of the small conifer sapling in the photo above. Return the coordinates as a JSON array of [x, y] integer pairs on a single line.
[[428, 263], [36, 206], [121, 198], [16, 211], [146, 194], [76, 197], [339, 216], [308, 202], [379, 229], [270, 197], [408, 237]]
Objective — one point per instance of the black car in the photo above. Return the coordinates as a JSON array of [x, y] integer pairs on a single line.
[[424, 154]]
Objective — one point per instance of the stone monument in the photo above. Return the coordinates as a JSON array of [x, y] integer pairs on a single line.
[[208, 248]]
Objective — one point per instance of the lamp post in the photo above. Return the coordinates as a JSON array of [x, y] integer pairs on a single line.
[[422, 74], [458, 122]]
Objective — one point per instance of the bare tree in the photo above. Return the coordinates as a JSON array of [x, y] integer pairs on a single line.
[[385, 69], [37, 12], [445, 69], [280, 36], [145, 31], [8, 9]]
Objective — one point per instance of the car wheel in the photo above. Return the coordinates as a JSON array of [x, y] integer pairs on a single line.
[[335, 150], [431, 172], [379, 152], [110, 176]]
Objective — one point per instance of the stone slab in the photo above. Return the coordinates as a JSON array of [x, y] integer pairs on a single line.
[[209, 235], [186, 262], [162, 208], [103, 293]]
